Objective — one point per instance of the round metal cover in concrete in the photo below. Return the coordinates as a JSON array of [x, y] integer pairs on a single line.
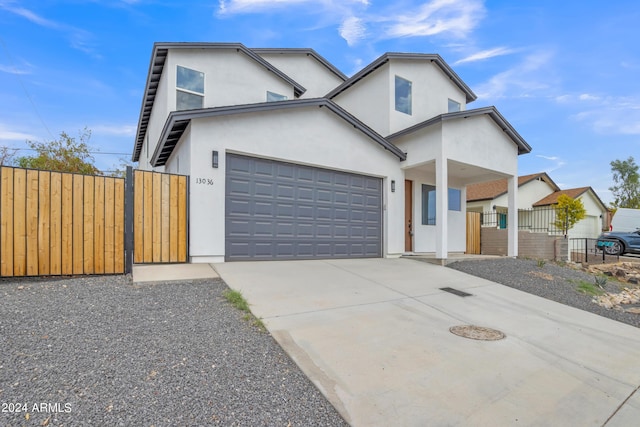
[[477, 332]]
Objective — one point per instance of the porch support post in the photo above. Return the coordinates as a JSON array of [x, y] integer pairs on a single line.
[[512, 218], [442, 203]]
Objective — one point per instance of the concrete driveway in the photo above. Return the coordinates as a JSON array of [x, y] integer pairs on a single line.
[[373, 335]]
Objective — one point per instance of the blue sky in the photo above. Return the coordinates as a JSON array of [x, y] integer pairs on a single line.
[[566, 74]]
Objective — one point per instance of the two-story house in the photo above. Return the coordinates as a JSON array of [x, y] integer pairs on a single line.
[[290, 159]]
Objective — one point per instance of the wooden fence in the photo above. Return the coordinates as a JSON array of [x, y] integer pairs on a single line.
[[473, 233], [54, 223], [160, 217]]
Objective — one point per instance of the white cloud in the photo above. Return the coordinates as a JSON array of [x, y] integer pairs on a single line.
[[588, 97], [455, 18], [353, 30], [612, 115], [119, 130], [485, 54], [254, 6], [79, 38], [8, 134], [557, 162], [10, 69], [522, 80]]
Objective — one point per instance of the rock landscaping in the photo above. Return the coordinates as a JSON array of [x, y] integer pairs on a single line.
[[628, 299]]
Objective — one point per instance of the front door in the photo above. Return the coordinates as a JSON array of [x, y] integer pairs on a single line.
[[408, 216]]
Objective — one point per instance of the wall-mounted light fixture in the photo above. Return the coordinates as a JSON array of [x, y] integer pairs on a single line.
[[214, 159], [393, 186]]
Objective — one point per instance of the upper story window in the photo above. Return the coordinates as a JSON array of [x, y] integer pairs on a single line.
[[403, 95], [190, 89], [272, 96], [453, 106]]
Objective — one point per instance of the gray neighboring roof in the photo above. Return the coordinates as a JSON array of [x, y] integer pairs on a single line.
[[304, 51], [177, 122], [523, 147], [437, 59], [158, 57]]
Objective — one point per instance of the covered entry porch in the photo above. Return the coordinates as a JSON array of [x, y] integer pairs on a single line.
[[444, 155]]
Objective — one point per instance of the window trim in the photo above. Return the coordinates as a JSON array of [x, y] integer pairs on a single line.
[[189, 91], [282, 97], [449, 101]]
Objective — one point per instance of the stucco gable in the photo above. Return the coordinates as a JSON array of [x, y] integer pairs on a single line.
[[492, 112], [306, 52], [156, 67], [384, 59], [178, 121]]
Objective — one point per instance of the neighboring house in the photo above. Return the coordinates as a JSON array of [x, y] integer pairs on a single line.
[[596, 216], [537, 193], [492, 196], [290, 159]]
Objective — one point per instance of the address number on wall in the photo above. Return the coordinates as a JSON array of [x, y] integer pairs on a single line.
[[204, 181]]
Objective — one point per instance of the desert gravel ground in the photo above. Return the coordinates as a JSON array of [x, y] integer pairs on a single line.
[[549, 280], [103, 351]]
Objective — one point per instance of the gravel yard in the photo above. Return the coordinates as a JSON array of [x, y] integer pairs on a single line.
[[103, 351], [550, 280]]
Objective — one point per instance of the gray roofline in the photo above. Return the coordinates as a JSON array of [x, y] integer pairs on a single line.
[[305, 51], [437, 59], [156, 67], [178, 121], [523, 147]]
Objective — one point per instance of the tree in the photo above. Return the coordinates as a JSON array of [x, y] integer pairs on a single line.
[[6, 155], [65, 154], [626, 191], [568, 212], [120, 170]]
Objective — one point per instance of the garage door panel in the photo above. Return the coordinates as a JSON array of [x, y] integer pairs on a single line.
[[278, 210]]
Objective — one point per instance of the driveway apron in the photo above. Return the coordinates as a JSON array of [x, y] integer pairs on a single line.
[[374, 336]]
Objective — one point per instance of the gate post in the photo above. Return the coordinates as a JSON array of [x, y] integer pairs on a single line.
[[128, 221]]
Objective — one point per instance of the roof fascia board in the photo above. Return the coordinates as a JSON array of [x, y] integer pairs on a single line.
[[177, 117], [437, 59], [306, 51]]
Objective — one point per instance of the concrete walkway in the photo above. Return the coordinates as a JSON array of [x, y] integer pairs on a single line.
[[172, 272], [373, 335]]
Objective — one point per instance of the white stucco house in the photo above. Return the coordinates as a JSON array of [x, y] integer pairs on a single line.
[[289, 158]]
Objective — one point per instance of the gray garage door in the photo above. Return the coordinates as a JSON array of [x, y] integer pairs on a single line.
[[277, 210]]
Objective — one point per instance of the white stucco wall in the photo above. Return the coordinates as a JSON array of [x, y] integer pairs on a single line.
[[478, 141], [317, 79], [430, 92], [528, 194], [231, 77], [369, 100], [312, 136]]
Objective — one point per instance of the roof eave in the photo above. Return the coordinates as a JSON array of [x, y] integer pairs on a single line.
[[434, 58], [178, 121]]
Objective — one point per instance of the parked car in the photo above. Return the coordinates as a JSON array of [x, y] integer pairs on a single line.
[[619, 242]]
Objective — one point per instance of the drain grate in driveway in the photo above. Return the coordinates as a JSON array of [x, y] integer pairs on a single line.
[[456, 292]]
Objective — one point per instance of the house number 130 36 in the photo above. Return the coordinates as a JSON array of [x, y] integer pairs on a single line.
[[205, 181]]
